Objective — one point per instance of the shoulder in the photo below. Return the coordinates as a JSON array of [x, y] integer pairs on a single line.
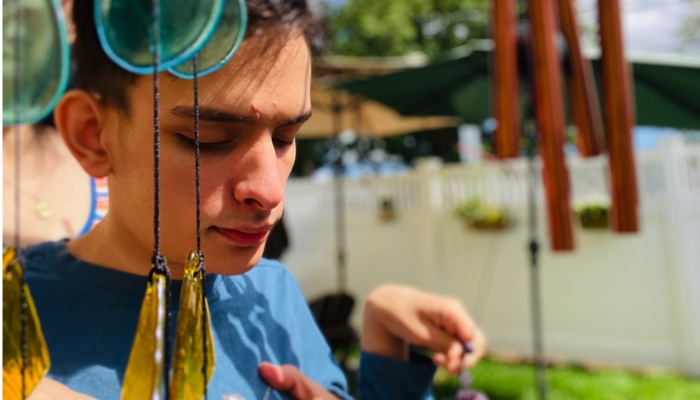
[[42, 258]]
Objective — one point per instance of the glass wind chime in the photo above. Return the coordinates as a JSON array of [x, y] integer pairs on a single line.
[[35, 74], [188, 39]]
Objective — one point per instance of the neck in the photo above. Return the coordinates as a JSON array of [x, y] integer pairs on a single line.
[[111, 246]]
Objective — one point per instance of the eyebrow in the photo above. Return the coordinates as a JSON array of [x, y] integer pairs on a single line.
[[215, 115]]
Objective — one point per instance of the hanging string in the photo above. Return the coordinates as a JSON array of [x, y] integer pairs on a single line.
[[18, 149], [196, 154], [156, 134], [159, 264], [201, 267]]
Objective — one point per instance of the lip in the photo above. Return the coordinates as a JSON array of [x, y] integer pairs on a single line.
[[247, 238]]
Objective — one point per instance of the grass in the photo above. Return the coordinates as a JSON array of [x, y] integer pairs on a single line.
[[502, 381]]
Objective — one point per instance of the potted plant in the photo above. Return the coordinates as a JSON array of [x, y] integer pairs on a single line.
[[387, 211], [480, 215], [593, 212]]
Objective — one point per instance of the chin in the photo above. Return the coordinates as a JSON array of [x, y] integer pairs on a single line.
[[233, 261]]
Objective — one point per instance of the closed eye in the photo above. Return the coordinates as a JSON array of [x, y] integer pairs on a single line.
[[281, 144], [202, 145]]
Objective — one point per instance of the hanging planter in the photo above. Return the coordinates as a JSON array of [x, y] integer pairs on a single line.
[[481, 216], [387, 210], [593, 213]]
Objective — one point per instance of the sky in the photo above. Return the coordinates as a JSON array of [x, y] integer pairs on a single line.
[[649, 25]]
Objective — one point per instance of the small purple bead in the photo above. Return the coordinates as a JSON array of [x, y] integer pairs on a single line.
[[468, 347], [470, 395], [465, 379]]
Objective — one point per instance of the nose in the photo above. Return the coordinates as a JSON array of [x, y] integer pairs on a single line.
[[260, 183]]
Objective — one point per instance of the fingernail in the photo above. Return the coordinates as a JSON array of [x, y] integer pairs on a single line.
[[468, 347]]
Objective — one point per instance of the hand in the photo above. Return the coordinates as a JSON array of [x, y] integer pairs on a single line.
[[49, 389], [288, 378], [396, 316]]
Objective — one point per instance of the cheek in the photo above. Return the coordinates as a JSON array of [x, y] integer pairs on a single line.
[[286, 162], [212, 195], [177, 181]]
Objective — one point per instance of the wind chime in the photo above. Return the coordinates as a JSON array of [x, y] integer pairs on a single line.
[[188, 39], [546, 17], [35, 73]]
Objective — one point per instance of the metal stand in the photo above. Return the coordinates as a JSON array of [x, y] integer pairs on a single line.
[[339, 192], [340, 227], [539, 362]]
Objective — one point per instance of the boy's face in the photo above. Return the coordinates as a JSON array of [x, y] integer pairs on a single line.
[[250, 111]]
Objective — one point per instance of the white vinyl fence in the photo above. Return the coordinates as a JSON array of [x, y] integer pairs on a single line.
[[631, 299]]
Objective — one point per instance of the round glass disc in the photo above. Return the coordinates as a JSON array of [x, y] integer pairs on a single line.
[[44, 59], [125, 30], [223, 44]]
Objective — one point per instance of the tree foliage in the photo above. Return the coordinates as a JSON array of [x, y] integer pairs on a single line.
[[396, 27], [689, 31]]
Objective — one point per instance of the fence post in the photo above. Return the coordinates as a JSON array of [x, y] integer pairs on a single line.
[[428, 171], [682, 239]]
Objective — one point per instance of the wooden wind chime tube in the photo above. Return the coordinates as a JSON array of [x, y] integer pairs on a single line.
[[585, 107], [549, 113], [619, 118], [506, 103]]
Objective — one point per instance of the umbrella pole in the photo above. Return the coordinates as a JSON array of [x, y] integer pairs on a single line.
[[538, 340], [340, 227], [534, 246], [339, 203]]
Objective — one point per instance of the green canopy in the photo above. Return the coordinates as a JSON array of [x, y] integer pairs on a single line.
[[667, 90]]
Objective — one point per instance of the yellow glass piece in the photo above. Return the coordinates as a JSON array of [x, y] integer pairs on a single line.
[[143, 379], [187, 382], [37, 354]]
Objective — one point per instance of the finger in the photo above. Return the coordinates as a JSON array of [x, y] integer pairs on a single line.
[[273, 375], [454, 357], [479, 343], [435, 338], [457, 321], [288, 378], [49, 389], [439, 358]]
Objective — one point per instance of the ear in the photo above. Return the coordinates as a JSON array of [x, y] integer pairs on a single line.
[[79, 116]]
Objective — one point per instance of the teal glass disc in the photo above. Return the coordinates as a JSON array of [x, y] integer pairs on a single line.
[[44, 59], [124, 29], [223, 44]]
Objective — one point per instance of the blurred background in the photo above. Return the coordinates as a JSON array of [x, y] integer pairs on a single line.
[[399, 178]]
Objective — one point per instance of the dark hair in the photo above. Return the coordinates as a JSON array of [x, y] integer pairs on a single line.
[[95, 72]]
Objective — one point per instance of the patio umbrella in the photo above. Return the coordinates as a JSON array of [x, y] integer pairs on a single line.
[[458, 86], [365, 117], [666, 88]]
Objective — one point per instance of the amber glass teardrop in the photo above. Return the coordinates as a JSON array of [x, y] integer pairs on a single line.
[[187, 382], [143, 379], [37, 354]]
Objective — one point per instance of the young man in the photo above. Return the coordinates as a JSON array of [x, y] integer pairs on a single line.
[[88, 291]]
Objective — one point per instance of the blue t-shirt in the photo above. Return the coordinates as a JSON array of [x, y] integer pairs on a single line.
[[89, 316]]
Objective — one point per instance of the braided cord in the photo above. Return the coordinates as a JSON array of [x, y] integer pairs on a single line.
[[18, 148], [195, 61], [159, 262]]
